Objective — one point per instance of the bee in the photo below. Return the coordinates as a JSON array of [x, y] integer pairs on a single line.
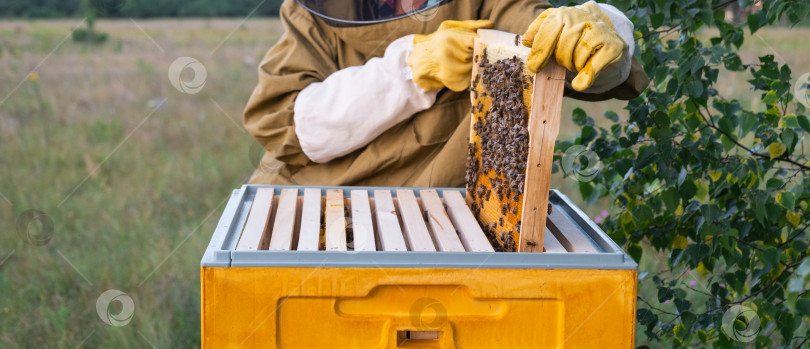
[[531, 243], [549, 208], [517, 39]]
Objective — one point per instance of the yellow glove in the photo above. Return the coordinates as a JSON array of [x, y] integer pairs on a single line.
[[582, 39], [444, 58]]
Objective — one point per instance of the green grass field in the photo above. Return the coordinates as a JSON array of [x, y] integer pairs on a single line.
[[133, 173]]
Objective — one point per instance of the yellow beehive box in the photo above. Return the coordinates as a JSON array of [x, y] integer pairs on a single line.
[[380, 293]]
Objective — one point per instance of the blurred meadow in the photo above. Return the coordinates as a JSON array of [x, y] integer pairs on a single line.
[[133, 173]]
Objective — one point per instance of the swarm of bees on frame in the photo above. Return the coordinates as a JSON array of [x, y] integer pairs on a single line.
[[500, 156]]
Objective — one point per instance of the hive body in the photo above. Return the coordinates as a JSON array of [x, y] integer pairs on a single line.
[[449, 290]]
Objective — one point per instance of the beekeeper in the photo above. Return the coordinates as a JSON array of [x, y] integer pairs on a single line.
[[372, 92]]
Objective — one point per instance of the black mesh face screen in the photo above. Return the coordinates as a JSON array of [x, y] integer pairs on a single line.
[[347, 13]]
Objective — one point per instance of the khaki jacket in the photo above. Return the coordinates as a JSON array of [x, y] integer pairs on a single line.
[[426, 150]]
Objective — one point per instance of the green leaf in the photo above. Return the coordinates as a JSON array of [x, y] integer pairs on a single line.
[[774, 211], [661, 119], [803, 306], [733, 62], [693, 121], [688, 319], [646, 316], [776, 149], [787, 137], [688, 190], [643, 215], [587, 135], [774, 183], [727, 143], [711, 212], [646, 155], [759, 207], [697, 253], [656, 20], [671, 199], [789, 121], [726, 124], [770, 98], [579, 117], [694, 88], [770, 256], [747, 121], [753, 23], [786, 324], [682, 304], [585, 189], [803, 122], [787, 199], [664, 293]]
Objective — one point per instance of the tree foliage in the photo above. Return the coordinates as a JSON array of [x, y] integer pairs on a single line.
[[139, 8], [718, 186]]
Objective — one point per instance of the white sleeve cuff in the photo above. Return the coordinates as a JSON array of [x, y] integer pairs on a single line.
[[355, 105], [615, 74]]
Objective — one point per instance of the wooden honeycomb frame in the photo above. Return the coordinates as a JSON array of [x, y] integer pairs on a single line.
[[521, 226]]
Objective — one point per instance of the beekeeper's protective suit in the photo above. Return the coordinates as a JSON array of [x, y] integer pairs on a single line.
[[350, 96]]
